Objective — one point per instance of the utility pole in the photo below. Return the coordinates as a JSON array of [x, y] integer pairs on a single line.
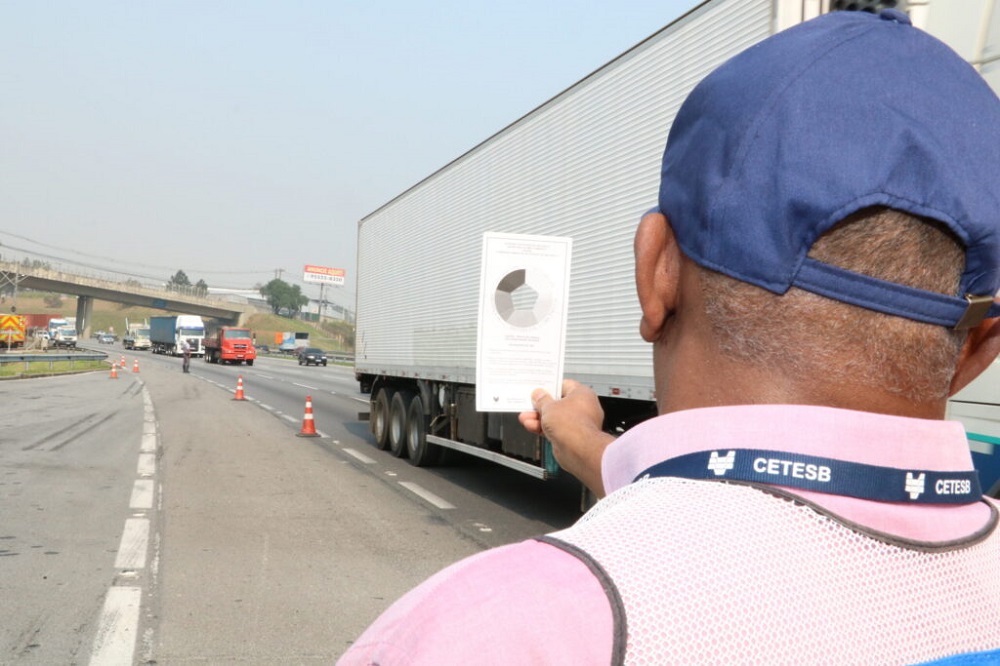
[[278, 272]]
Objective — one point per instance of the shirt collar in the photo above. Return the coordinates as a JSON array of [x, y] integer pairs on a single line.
[[876, 439]]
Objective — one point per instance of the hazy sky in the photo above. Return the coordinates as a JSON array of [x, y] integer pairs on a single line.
[[233, 139]]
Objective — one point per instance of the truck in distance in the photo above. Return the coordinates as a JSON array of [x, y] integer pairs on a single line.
[[13, 331], [38, 324], [54, 324], [229, 344], [168, 334], [293, 341], [64, 336], [136, 336]]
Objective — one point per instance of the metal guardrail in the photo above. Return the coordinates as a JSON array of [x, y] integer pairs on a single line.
[[340, 358], [27, 359], [332, 357]]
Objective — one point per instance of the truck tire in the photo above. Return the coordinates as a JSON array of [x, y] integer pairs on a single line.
[[380, 417], [421, 453], [397, 422], [250, 362]]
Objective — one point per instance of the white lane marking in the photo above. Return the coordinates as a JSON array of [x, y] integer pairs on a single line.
[[290, 418], [148, 443], [148, 428], [142, 494], [311, 388], [361, 400], [147, 464], [360, 456], [267, 407], [117, 627], [427, 495], [264, 376], [135, 540]]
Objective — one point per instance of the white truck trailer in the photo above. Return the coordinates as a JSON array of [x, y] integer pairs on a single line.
[[585, 164]]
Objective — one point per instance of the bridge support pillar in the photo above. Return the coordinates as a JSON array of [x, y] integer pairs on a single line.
[[84, 311]]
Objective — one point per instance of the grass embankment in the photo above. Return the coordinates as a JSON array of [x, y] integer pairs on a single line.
[[18, 370], [329, 335]]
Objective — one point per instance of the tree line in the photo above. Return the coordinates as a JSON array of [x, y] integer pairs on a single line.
[[283, 298]]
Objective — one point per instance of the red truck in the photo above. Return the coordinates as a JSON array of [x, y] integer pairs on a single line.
[[36, 323], [228, 344]]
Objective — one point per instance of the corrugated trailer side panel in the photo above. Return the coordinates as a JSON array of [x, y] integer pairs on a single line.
[[584, 165]]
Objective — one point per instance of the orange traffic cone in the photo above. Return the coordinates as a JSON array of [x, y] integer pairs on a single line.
[[114, 371], [123, 362], [308, 426], [135, 366], [239, 389]]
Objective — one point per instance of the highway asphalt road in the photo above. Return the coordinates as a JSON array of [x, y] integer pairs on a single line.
[[155, 513]]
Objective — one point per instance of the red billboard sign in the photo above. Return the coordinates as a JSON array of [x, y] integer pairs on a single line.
[[324, 275]]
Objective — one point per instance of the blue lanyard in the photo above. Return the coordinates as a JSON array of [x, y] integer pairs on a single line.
[[825, 475]]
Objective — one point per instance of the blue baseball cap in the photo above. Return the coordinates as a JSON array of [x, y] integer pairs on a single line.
[[844, 112]]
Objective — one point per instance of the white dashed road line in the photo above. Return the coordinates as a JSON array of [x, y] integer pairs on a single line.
[[427, 495], [359, 456], [142, 494], [134, 543], [147, 464], [115, 640], [118, 625]]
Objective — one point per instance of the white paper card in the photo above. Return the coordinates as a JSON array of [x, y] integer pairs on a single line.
[[523, 298]]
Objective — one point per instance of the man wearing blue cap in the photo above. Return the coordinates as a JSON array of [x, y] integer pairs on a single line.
[[819, 276]]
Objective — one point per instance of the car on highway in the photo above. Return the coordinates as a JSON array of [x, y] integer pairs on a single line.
[[312, 356], [106, 339]]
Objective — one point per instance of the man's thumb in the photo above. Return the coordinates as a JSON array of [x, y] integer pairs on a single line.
[[540, 397]]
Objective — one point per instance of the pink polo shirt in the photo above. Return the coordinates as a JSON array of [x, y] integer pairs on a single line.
[[533, 603]]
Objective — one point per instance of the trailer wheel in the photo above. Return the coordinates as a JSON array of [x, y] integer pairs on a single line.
[[397, 422], [380, 417], [421, 453], [250, 362]]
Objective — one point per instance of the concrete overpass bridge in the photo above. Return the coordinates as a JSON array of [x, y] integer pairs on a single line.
[[87, 288]]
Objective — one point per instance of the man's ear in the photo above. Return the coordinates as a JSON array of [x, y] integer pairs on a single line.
[[657, 269], [980, 349]]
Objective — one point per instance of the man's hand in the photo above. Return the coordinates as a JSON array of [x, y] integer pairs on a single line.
[[573, 425]]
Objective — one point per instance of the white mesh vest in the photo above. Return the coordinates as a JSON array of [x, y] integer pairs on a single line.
[[713, 573]]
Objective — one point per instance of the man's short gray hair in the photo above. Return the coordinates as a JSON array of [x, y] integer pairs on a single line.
[[804, 335]]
